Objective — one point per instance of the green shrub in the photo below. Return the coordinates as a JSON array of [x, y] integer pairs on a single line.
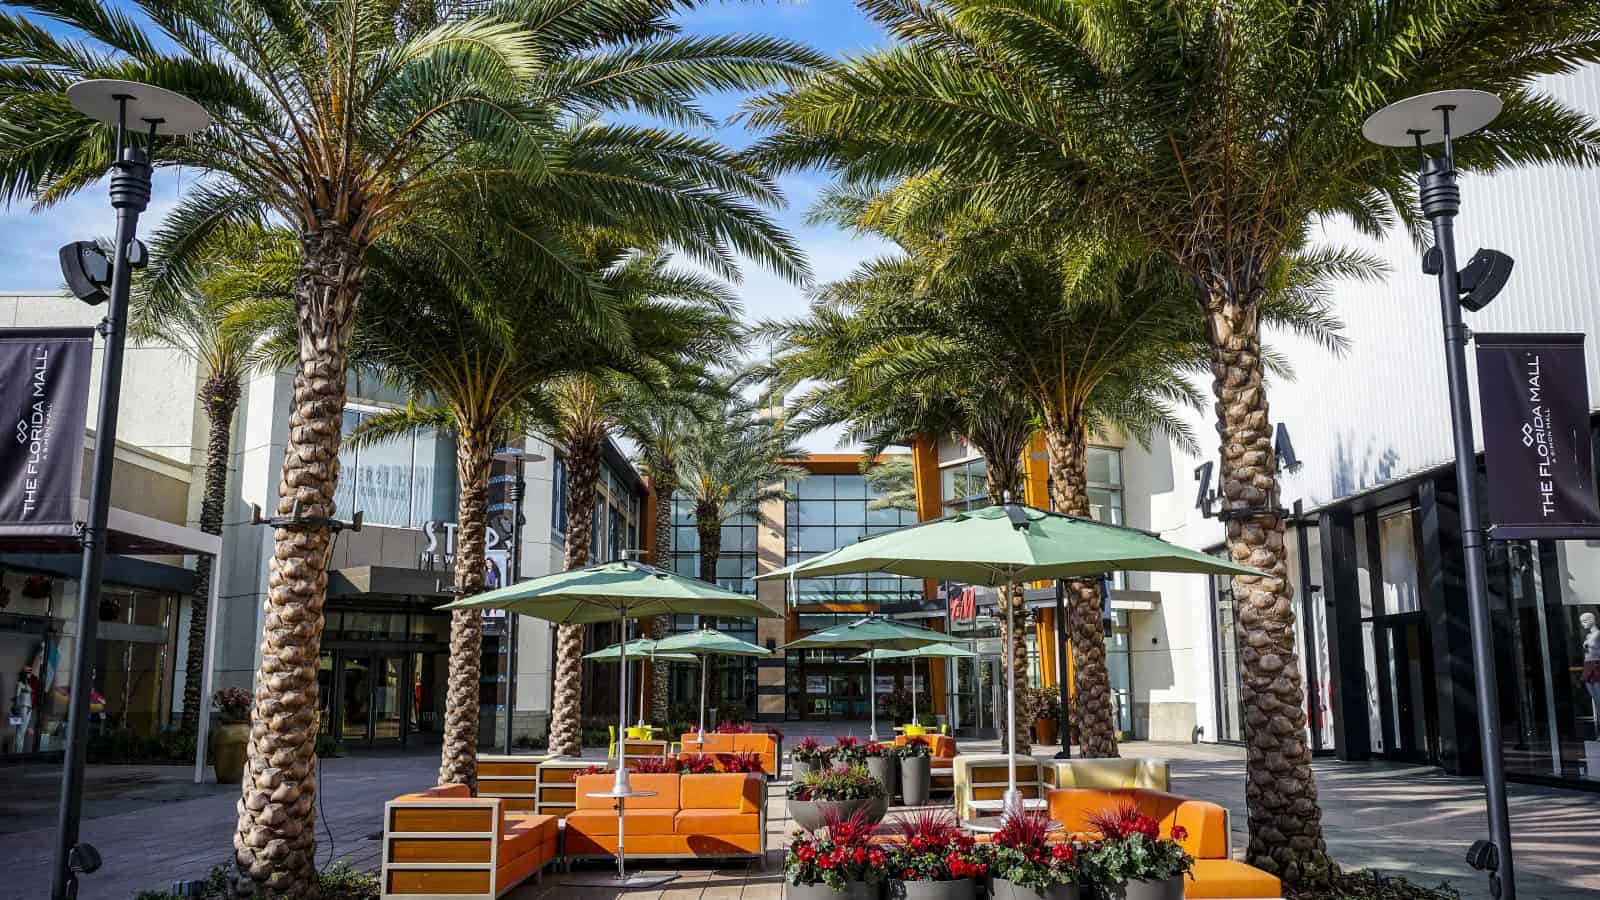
[[1369, 885], [123, 747], [341, 882]]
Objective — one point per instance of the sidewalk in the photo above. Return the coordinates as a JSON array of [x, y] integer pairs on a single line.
[[154, 827]]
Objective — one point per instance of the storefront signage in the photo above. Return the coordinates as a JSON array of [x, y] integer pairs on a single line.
[[44, 397], [441, 554], [964, 605], [1537, 443]]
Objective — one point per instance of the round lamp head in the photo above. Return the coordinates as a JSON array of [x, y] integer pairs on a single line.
[[137, 106], [1400, 123]]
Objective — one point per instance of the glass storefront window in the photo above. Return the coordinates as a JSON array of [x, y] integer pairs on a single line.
[[965, 485], [1225, 632], [403, 481], [832, 511]]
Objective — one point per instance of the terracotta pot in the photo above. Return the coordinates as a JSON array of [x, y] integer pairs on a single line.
[[1001, 889], [1046, 729], [854, 890], [958, 889], [1138, 889], [814, 814], [230, 743], [916, 780]]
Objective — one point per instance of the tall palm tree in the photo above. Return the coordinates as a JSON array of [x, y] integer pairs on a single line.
[[200, 315], [732, 461], [1072, 116], [458, 319], [344, 120]]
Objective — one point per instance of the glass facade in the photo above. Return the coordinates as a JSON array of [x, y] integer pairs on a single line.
[[402, 481], [736, 555], [832, 511]]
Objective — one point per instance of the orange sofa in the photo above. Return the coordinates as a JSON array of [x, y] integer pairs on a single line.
[[763, 744], [706, 816], [1217, 875], [446, 841]]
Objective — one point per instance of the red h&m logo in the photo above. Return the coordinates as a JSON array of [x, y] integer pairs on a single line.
[[964, 605]]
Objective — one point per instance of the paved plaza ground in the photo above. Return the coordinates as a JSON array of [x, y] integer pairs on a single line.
[[154, 827]]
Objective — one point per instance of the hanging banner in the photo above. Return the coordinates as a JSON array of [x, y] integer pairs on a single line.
[[1536, 436], [44, 398]]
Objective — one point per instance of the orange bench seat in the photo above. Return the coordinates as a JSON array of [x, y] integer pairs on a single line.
[[445, 841], [702, 816]]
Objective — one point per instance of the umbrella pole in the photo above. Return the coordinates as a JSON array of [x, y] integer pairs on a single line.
[[1012, 797], [641, 686], [702, 700], [914, 689], [872, 692], [621, 785]]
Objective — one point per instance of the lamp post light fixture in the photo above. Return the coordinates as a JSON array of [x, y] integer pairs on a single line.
[[1422, 121], [130, 109], [516, 493]]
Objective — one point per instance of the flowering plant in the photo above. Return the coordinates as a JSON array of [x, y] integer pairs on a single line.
[[592, 770], [741, 761], [232, 704], [914, 747], [934, 849], [1131, 848], [1022, 854], [733, 728], [810, 752], [847, 748], [876, 750], [840, 853], [836, 785], [696, 764], [649, 765]]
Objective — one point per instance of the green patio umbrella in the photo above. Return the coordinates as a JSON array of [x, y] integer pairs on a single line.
[[931, 651], [644, 647], [619, 591], [873, 632], [1001, 545], [705, 643]]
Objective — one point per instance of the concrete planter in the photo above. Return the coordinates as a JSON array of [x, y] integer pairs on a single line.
[[798, 769], [959, 889], [1137, 889], [854, 890], [1001, 889], [916, 780], [230, 744], [884, 769], [813, 814]]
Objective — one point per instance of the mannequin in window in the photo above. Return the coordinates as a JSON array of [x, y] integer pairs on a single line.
[[1591, 654]]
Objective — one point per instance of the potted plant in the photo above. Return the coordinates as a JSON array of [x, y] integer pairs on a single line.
[[847, 750], [837, 863], [230, 738], [883, 763], [1045, 704], [808, 756], [1132, 861], [915, 771], [745, 761], [1024, 865], [838, 792], [935, 860]]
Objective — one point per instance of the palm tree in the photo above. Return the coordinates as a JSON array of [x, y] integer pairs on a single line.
[[345, 120], [199, 315], [731, 462], [1214, 133]]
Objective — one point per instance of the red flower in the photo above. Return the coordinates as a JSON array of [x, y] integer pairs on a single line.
[[806, 853], [908, 875], [917, 843], [860, 855], [1062, 852], [876, 858], [1180, 833]]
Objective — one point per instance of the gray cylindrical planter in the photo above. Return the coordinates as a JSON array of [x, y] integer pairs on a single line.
[[854, 890], [1001, 889], [811, 814], [799, 768], [958, 889], [884, 769], [915, 780], [1169, 889]]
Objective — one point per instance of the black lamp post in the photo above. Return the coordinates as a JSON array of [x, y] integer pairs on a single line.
[[153, 111], [1421, 121], [517, 492]]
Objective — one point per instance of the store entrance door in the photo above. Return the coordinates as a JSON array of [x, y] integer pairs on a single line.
[[371, 697], [1411, 690]]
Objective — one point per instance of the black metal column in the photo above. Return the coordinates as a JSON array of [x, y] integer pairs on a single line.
[[1441, 201], [130, 195], [519, 489], [1342, 603], [1061, 670]]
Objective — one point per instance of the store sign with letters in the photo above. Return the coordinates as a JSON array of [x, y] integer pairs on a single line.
[[44, 397], [1537, 442]]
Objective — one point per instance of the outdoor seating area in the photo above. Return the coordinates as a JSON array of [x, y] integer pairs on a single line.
[[446, 841]]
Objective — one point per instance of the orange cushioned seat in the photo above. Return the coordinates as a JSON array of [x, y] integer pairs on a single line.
[[1229, 879], [518, 836], [714, 821], [640, 822]]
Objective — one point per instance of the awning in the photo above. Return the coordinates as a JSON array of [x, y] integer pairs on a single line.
[[394, 581], [129, 534]]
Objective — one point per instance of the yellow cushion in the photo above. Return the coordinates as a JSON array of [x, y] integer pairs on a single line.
[[1229, 879], [914, 730], [636, 733]]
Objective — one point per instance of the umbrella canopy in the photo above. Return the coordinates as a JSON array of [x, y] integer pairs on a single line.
[[638, 647], [706, 643], [1000, 544], [871, 633], [614, 590]]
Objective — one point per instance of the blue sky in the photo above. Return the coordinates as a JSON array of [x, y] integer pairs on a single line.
[[28, 239]]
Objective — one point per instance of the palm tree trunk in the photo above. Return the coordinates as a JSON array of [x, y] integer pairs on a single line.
[[660, 626], [220, 397], [275, 845], [583, 476], [708, 525], [458, 757], [1280, 792], [1004, 480], [1067, 443]]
